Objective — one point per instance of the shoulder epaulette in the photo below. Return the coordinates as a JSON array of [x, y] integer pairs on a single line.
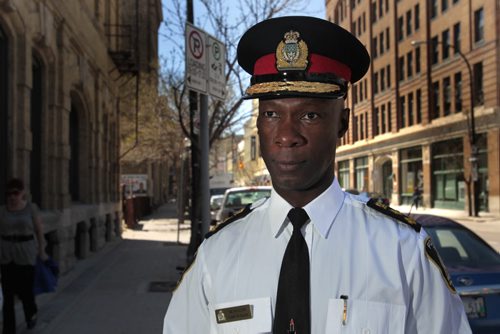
[[242, 213], [381, 207]]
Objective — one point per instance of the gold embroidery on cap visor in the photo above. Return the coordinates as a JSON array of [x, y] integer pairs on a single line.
[[293, 86]]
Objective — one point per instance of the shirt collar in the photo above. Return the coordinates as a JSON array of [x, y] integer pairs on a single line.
[[322, 210]]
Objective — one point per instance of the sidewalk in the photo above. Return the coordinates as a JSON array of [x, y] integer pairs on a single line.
[[124, 288]]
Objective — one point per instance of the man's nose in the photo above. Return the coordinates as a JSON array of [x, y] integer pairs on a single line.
[[289, 134]]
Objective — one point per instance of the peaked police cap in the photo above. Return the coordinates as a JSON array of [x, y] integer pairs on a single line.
[[301, 56]]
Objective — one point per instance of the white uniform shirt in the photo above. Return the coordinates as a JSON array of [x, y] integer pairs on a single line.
[[374, 260]]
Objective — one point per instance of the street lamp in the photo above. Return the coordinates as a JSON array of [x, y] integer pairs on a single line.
[[471, 127]]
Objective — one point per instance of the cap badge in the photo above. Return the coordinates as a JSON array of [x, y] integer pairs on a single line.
[[291, 53]]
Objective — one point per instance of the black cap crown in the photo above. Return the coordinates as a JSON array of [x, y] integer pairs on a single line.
[[301, 56]]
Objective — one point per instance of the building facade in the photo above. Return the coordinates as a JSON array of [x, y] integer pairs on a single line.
[[59, 120], [427, 114]]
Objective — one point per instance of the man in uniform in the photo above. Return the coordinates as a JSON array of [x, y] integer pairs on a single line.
[[311, 258]]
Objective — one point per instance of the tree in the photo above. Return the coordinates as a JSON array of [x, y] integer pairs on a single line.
[[227, 23]]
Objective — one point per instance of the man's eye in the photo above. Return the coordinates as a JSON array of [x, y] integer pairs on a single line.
[[270, 114], [310, 116]]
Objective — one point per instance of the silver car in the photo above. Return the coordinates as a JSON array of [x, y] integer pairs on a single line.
[[235, 199]]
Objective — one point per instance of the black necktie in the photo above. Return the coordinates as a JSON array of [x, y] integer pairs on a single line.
[[293, 311]]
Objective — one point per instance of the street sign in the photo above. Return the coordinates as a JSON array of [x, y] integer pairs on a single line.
[[196, 59], [216, 68]]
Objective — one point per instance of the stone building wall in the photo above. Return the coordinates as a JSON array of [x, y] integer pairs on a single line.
[[60, 113]]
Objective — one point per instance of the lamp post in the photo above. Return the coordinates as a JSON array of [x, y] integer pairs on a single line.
[[471, 129]]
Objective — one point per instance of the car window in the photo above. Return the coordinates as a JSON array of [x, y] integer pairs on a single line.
[[459, 247], [241, 198]]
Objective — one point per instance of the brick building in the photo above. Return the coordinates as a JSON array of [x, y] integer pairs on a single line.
[[61, 71], [411, 114]]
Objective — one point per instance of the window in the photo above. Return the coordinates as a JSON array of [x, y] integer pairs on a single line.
[[381, 42], [344, 174], [445, 45], [478, 84], [388, 71], [418, 108], [447, 169], [456, 37], [387, 39], [374, 12], [36, 112], [366, 90], [389, 117], [382, 79], [377, 121], [409, 64], [446, 96], [361, 127], [375, 83], [382, 116], [478, 25], [353, 29], [361, 91], [417, 59], [435, 100], [409, 25], [381, 8], [355, 94], [401, 68], [434, 50], [361, 167], [411, 172], [444, 5], [402, 111], [410, 109], [417, 16], [400, 28], [374, 45], [364, 22], [434, 8], [458, 91]]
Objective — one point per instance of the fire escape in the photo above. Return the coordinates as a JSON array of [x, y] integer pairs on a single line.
[[122, 47]]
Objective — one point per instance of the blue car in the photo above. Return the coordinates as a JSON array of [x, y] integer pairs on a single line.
[[474, 267]]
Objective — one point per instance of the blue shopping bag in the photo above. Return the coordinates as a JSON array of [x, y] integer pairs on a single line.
[[46, 275]]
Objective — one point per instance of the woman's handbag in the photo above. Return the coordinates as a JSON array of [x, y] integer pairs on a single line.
[[46, 275]]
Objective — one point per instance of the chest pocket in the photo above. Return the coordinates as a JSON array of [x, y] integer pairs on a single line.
[[250, 316], [364, 317]]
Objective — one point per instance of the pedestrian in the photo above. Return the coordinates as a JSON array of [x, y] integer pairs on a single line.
[[21, 240], [311, 258], [417, 195]]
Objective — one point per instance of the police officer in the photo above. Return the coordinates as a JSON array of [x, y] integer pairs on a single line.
[[311, 258]]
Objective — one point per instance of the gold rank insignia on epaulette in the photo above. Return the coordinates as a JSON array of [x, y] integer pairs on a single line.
[[433, 256], [385, 209]]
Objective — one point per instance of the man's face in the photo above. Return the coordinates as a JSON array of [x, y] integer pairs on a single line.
[[298, 138]]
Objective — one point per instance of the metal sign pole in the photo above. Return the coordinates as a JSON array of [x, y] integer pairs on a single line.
[[204, 179]]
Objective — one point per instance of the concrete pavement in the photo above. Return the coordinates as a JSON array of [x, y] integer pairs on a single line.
[[122, 289], [113, 291]]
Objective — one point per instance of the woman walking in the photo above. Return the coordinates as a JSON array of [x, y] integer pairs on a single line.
[[21, 240]]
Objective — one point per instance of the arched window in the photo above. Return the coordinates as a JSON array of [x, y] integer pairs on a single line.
[[36, 113], [74, 163], [4, 88]]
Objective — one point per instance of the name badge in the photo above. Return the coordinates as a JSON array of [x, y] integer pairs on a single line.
[[230, 314]]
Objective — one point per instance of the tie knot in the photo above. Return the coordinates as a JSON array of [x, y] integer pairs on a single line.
[[298, 217]]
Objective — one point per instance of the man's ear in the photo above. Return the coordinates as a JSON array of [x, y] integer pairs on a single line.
[[344, 122]]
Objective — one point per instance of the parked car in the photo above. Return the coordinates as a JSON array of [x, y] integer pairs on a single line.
[[474, 267], [237, 198], [379, 197], [215, 204]]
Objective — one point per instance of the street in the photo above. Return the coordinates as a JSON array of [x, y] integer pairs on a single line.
[[125, 288]]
